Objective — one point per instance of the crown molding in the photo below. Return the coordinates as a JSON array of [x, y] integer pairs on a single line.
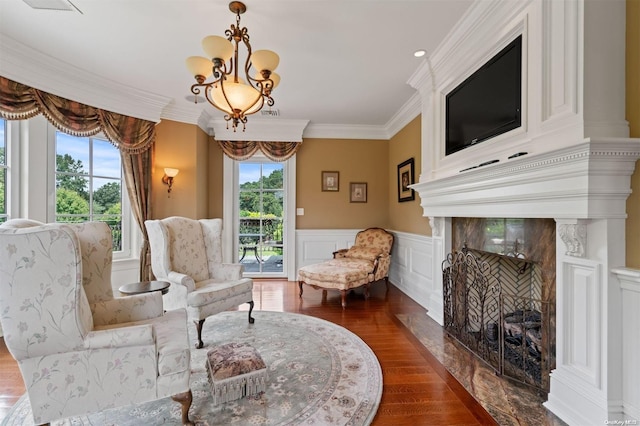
[[28, 66], [190, 114], [267, 130], [204, 122], [410, 110], [345, 131], [33, 68]]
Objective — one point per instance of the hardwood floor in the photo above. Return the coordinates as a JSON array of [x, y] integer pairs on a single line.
[[417, 389], [11, 384]]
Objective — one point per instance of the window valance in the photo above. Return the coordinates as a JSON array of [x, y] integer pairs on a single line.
[[274, 151], [19, 101]]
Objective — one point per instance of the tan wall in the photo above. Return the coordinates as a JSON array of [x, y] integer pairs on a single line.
[[215, 177], [406, 216], [180, 146], [356, 161], [198, 189], [633, 117], [202, 174]]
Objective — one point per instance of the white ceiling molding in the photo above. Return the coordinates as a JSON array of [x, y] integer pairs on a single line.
[[345, 131], [204, 122], [33, 68], [36, 69], [190, 114], [266, 130], [410, 110]]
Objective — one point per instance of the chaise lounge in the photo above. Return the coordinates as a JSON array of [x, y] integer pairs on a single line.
[[366, 262]]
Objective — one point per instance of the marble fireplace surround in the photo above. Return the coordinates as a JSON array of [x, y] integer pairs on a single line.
[[576, 171]]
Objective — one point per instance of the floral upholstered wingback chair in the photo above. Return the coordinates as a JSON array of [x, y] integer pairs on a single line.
[[80, 350], [188, 254], [366, 262]]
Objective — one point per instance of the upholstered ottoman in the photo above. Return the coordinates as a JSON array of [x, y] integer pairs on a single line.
[[342, 274], [235, 370]]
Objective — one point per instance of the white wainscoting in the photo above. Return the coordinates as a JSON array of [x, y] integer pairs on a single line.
[[123, 272], [411, 264], [318, 245], [630, 284]]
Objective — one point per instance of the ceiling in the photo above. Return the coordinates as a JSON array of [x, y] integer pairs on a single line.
[[342, 62]]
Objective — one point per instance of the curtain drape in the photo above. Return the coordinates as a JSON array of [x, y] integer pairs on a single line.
[[274, 151], [132, 136], [138, 180]]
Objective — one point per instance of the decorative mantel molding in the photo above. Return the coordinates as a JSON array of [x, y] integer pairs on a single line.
[[574, 237], [437, 225], [587, 180]]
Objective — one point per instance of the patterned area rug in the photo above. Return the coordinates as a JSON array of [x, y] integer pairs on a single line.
[[319, 374]]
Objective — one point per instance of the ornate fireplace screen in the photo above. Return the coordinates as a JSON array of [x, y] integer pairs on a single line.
[[493, 305]]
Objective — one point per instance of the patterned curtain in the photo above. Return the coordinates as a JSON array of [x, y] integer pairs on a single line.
[[132, 136], [274, 151], [137, 177], [128, 134]]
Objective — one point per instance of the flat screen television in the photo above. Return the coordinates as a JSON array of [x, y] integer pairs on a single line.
[[487, 103]]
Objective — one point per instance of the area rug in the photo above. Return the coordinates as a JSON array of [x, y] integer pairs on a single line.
[[319, 374]]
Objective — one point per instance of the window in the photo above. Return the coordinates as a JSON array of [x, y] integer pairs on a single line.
[[3, 170], [88, 179]]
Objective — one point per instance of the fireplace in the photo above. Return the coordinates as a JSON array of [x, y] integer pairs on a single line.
[[584, 220], [499, 295], [570, 162]]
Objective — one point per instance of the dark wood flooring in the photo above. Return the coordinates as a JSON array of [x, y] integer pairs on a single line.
[[417, 389]]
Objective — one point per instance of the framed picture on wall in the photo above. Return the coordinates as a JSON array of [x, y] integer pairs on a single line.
[[358, 192], [331, 181], [406, 177]]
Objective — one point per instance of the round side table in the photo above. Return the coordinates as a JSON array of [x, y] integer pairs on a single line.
[[145, 287]]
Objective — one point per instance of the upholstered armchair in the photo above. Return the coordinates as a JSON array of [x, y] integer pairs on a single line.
[[188, 254], [80, 350], [364, 263]]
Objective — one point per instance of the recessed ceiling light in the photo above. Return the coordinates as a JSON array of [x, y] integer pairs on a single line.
[[419, 53]]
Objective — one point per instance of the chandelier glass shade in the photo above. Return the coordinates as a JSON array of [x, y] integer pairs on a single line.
[[235, 96]]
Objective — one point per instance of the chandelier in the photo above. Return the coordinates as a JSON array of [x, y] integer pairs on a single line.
[[228, 92]]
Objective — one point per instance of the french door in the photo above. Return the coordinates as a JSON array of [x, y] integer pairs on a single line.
[[259, 216], [261, 212]]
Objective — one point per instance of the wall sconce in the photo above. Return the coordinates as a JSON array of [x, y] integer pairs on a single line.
[[167, 179]]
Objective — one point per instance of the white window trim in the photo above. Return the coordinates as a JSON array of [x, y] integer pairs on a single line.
[[12, 158], [129, 237], [230, 212]]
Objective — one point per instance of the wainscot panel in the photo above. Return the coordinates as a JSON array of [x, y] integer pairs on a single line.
[[411, 266], [318, 245], [123, 272]]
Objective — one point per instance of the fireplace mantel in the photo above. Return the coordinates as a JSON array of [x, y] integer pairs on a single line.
[[577, 170], [583, 187], [584, 181]]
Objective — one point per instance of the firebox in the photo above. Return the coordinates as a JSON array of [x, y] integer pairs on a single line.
[[499, 302]]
